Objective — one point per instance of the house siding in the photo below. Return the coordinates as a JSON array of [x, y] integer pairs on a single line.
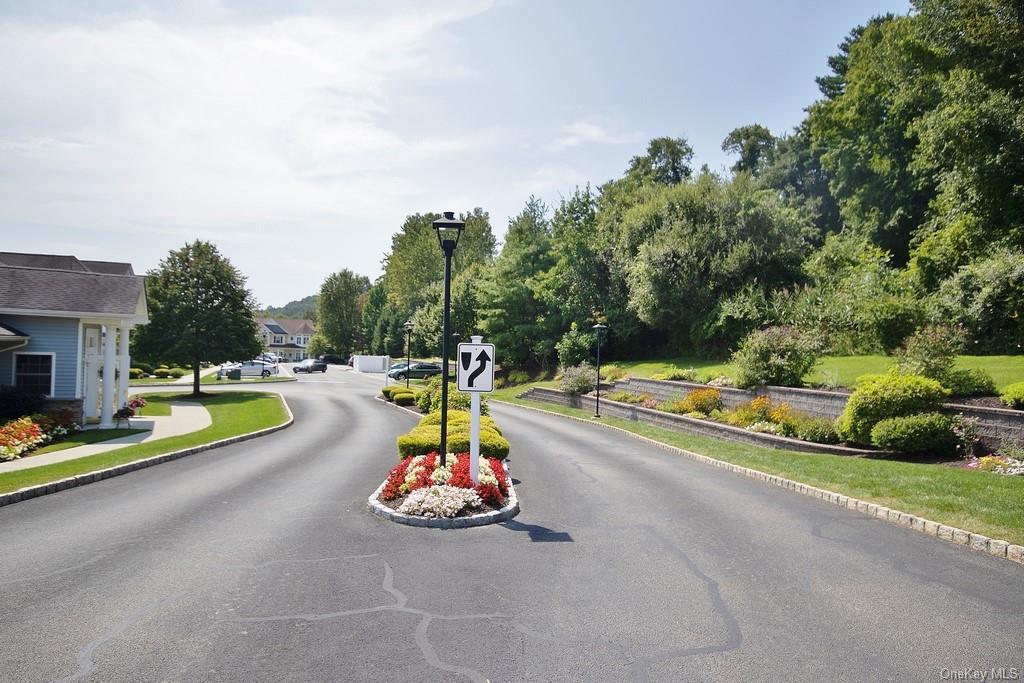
[[49, 335]]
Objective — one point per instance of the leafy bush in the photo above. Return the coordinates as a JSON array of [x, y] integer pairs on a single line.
[[746, 414], [612, 373], [778, 356], [518, 377], [931, 351], [969, 382], [427, 439], [986, 297], [423, 400], [389, 391], [15, 403], [578, 379], [146, 368], [817, 430], [458, 417], [575, 347], [1013, 395], [928, 433], [177, 372], [677, 374], [703, 400], [162, 373], [403, 398], [888, 396], [135, 373]]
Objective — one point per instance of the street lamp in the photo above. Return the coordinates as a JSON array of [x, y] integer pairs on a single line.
[[599, 329], [449, 229], [408, 350]]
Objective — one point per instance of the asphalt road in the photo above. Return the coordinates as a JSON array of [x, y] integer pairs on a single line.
[[259, 562]]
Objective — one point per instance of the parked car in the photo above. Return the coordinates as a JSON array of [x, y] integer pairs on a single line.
[[416, 371], [270, 358], [250, 368], [398, 366], [311, 365], [332, 359]]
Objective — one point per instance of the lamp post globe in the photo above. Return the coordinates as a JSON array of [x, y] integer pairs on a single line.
[[408, 350], [449, 229], [600, 330]]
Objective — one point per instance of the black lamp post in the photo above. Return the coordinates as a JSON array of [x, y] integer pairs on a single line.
[[449, 229], [599, 328], [408, 350]]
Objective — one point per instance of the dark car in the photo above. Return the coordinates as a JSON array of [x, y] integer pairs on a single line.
[[332, 359], [311, 365], [416, 371]]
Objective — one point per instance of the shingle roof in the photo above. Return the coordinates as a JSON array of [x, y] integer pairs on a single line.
[[288, 325], [43, 282]]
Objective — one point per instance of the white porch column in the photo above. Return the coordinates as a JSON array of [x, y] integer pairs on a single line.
[[124, 362], [107, 407]]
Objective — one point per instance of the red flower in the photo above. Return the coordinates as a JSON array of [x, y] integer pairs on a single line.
[[499, 474], [488, 493]]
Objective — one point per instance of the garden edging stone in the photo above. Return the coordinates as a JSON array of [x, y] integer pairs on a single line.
[[505, 513], [98, 475], [978, 542]]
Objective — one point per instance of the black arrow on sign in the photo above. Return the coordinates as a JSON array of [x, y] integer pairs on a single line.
[[484, 360]]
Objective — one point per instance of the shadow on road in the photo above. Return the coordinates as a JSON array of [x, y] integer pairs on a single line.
[[539, 534]]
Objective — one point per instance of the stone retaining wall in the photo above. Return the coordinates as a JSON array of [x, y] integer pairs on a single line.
[[75, 405], [995, 425], [689, 425]]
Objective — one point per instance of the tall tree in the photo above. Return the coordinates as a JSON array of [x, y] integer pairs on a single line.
[[753, 144], [199, 309], [338, 311]]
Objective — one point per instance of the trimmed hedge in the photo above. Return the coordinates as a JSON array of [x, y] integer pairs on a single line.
[[817, 430], [458, 417], [135, 373], [969, 382], [1013, 395], [403, 398], [427, 439], [884, 397], [178, 372], [926, 434], [162, 373]]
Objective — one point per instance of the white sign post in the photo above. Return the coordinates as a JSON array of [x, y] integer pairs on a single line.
[[475, 375]]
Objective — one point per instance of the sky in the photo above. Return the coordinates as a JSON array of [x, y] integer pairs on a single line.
[[298, 136]]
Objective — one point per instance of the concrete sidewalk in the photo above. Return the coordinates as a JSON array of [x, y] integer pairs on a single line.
[[185, 417]]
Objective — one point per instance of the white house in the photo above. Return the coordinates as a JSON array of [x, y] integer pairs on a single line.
[[287, 337]]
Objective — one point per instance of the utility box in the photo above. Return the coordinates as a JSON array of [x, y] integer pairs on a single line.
[[371, 363], [235, 373]]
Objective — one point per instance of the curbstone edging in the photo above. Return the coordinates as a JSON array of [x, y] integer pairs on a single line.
[[99, 475], [977, 542]]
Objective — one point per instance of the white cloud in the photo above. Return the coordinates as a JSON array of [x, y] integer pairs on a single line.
[[585, 132]]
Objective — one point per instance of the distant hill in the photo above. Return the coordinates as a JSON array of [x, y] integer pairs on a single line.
[[303, 308]]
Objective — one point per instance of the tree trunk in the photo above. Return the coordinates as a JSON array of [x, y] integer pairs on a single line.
[[195, 378]]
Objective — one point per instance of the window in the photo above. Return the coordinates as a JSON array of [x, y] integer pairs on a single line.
[[278, 339], [34, 372]]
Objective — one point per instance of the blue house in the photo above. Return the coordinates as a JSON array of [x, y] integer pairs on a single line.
[[65, 328]]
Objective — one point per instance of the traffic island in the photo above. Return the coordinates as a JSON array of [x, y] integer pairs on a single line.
[[420, 492]]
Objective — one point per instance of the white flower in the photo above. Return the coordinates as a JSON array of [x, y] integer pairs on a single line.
[[439, 501]]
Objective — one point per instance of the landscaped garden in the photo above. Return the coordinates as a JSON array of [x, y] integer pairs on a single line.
[[232, 414], [420, 485]]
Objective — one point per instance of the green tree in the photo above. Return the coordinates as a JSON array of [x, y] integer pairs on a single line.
[[667, 162], [754, 145], [338, 311], [199, 309]]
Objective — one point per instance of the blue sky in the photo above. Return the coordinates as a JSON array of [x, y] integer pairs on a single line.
[[298, 140]]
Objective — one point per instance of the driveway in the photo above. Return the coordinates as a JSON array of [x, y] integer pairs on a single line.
[[259, 562]]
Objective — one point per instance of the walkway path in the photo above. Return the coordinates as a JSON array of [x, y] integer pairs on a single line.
[[185, 417]]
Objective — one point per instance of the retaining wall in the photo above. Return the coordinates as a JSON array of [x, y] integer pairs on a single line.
[[995, 425]]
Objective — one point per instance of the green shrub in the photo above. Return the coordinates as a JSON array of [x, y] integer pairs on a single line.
[[146, 368], [1013, 395], [928, 433], [817, 430], [892, 395], [985, 297], [457, 417], [746, 414], [778, 356], [423, 399], [626, 397], [969, 382], [388, 391], [135, 373], [575, 347], [677, 374], [404, 398], [578, 379], [427, 439], [163, 366], [931, 351], [612, 373], [162, 373], [517, 377], [456, 400], [178, 372]]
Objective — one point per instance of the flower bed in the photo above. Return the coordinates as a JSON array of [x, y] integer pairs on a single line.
[[25, 434], [420, 486]]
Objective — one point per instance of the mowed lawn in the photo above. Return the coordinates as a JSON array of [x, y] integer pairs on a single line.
[[985, 503], [232, 413], [835, 370]]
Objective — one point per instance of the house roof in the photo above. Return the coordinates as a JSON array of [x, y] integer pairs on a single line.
[[288, 325], [64, 284], [7, 333]]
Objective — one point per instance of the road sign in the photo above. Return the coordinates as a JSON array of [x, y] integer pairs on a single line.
[[475, 371]]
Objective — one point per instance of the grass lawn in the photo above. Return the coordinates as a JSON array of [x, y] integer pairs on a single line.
[[839, 370], [233, 413], [146, 381], [985, 503], [154, 408], [86, 437]]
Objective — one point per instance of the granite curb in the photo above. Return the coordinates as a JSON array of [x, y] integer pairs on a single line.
[[977, 542], [38, 490], [510, 510]]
